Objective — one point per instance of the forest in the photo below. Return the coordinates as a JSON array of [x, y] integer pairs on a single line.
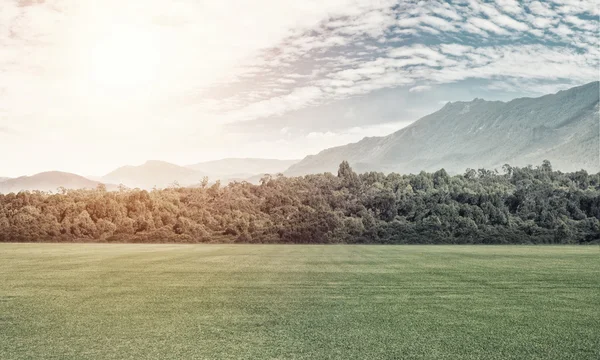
[[532, 205]]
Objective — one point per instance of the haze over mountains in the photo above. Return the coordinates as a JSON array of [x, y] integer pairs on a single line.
[[48, 181], [151, 174], [563, 128], [242, 167], [162, 174]]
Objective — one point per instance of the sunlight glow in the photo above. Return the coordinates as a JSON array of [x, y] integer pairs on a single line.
[[126, 58]]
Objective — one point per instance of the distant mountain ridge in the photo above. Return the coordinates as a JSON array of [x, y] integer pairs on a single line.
[[243, 167], [161, 174], [47, 181], [153, 173], [563, 128]]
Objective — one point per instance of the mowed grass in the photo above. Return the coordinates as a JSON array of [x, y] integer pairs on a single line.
[[92, 301]]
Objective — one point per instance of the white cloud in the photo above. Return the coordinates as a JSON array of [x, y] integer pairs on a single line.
[[542, 22], [297, 99], [509, 22], [468, 27], [415, 51], [487, 25], [510, 6], [540, 8], [433, 21], [447, 12], [455, 49], [562, 30], [420, 88]]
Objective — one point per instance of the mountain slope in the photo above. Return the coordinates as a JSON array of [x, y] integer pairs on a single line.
[[47, 181], [153, 173], [242, 167], [563, 128]]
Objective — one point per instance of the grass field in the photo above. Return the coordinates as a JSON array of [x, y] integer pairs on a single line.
[[86, 301]]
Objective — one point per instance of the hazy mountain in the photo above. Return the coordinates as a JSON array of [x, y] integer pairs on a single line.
[[239, 168], [163, 174], [153, 173], [3, 178], [94, 177], [563, 128], [47, 181]]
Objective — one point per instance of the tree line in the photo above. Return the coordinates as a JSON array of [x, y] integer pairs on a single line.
[[515, 205]]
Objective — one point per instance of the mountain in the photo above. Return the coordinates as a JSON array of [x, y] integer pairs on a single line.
[[563, 128], [3, 178], [233, 168], [153, 173], [47, 181], [163, 174]]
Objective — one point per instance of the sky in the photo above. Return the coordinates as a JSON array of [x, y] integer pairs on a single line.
[[87, 86]]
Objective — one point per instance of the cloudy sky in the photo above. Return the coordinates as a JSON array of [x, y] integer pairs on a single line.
[[87, 85]]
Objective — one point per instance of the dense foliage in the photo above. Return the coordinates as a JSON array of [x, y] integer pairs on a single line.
[[519, 205]]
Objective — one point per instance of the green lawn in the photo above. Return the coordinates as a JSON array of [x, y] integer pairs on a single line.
[[88, 301]]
